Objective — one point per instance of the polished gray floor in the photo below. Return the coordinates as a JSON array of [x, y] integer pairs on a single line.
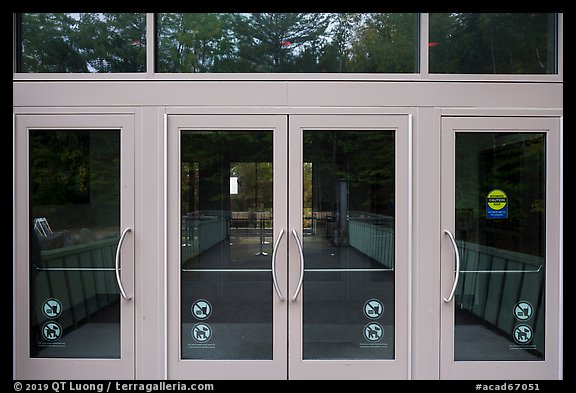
[[235, 278]]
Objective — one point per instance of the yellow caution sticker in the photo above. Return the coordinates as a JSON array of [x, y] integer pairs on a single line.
[[496, 204]]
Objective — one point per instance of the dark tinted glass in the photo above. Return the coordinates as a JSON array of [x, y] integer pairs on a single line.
[[74, 230], [492, 43], [226, 245], [349, 244], [500, 230]]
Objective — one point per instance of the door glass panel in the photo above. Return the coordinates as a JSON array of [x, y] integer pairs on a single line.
[[74, 231], [348, 232], [226, 244], [500, 232]]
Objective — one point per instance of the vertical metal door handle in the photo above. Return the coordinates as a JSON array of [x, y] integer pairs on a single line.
[[457, 273], [117, 266], [299, 287], [274, 280]]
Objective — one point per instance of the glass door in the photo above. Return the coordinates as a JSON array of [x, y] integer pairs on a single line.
[[227, 247], [288, 256], [500, 258], [348, 247], [75, 248]]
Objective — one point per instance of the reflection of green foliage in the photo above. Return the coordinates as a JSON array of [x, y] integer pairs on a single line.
[[217, 155], [365, 159], [75, 177], [193, 42], [307, 182], [255, 186], [386, 43], [491, 43], [85, 42], [355, 42], [537, 206], [514, 163], [47, 44], [288, 42], [269, 42], [58, 169]]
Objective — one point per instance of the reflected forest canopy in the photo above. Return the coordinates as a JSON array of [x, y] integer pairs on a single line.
[[287, 42]]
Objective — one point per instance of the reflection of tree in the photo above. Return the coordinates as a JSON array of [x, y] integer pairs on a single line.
[[113, 42], [288, 42], [193, 42], [86, 42], [513, 163], [48, 44], [272, 42], [75, 177], [364, 159], [386, 43], [255, 186], [488, 43], [307, 185], [211, 157]]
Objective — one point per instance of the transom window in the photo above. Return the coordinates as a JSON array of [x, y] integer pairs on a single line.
[[295, 43]]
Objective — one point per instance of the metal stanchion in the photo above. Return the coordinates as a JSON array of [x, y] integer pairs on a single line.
[[260, 217]]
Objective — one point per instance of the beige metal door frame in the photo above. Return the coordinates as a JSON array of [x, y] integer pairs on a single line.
[[73, 368], [227, 369], [433, 158], [288, 190], [549, 367], [397, 368]]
